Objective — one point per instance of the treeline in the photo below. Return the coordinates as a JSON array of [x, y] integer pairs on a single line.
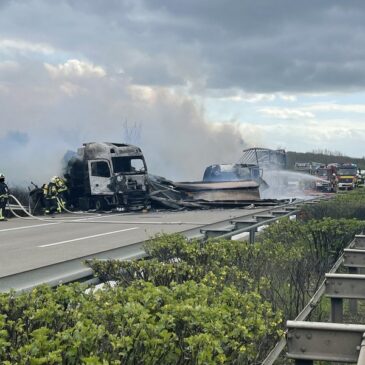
[[325, 157], [218, 302]]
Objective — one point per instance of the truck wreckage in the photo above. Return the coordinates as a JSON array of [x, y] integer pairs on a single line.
[[104, 176], [108, 175]]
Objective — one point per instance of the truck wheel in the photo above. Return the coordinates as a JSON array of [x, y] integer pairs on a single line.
[[100, 204]]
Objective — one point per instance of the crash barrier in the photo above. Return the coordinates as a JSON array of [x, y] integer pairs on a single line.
[[309, 341], [13, 207], [252, 226], [74, 270], [313, 341]]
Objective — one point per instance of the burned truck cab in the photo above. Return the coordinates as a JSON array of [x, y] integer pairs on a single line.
[[109, 175]]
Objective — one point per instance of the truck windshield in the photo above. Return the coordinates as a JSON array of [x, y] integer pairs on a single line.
[[346, 172], [128, 165], [322, 172]]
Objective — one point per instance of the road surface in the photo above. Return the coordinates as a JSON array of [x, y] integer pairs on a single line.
[[27, 244]]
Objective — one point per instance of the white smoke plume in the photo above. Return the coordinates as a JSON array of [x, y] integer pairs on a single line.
[[42, 121]]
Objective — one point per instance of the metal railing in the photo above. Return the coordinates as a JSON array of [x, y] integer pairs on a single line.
[[338, 342]]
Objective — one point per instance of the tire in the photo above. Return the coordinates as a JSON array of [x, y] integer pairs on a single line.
[[100, 204]]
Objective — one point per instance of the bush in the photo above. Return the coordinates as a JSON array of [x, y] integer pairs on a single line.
[[347, 205], [285, 266], [189, 323], [296, 255], [191, 302]]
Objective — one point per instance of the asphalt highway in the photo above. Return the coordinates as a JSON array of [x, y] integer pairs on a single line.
[[27, 244]]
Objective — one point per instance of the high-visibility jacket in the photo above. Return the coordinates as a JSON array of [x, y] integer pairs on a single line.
[[61, 185], [50, 191], [4, 191]]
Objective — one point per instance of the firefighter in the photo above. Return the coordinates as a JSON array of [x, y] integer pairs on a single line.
[[4, 196], [51, 197], [44, 198], [62, 190]]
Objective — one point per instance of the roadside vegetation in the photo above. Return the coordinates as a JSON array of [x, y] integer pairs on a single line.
[[218, 302], [322, 156]]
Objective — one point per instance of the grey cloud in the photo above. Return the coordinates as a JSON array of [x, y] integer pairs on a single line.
[[260, 46], [211, 46]]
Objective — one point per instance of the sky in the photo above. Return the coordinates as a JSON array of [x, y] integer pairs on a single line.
[[191, 82]]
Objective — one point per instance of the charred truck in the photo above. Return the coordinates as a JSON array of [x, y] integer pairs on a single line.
[[103, 176]]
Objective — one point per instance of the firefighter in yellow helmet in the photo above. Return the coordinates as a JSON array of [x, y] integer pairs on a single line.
[[4, 196], [51, 196], [62, 190]]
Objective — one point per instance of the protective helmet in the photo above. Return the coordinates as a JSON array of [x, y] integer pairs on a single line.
[[54, 179], [2, 176]]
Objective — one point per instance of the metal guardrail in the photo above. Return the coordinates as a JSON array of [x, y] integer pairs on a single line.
[[73, 270], [303, 315], [358, 242], [67, 271], [251, 226], [13, 207], [252, 229], [312, 341], [324, 341]]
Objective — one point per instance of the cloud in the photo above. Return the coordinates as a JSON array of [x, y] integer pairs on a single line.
[[72, 72], [287, 97], [75, 68], [71, 89], [306, 112], [343, 108], [331, 134], [287, 113], [8, 66], [22, 46], [257, 47], [239, 96]]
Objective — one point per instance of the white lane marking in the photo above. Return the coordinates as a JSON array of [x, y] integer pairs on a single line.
[[25, 227], [178, 223], [80, 219], [88, 237], [56, 221]]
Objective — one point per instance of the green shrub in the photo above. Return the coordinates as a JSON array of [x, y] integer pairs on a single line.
[[189, 323], [191, 302], [347, 205]]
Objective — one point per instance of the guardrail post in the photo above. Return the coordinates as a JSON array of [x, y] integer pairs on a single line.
[[336, 310], [353, 302], [361, 359], [252, 236]]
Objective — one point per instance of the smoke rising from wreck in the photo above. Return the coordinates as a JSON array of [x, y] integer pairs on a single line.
[[177, 141]]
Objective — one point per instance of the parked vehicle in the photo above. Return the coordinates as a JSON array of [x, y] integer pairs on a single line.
[[346, 176], [326, 178]]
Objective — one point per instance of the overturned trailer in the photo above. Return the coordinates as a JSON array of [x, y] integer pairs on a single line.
[[224, 191], [204, 195], [108, 175]]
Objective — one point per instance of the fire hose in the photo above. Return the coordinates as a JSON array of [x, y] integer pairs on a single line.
[[72, 220], [31, 216]]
